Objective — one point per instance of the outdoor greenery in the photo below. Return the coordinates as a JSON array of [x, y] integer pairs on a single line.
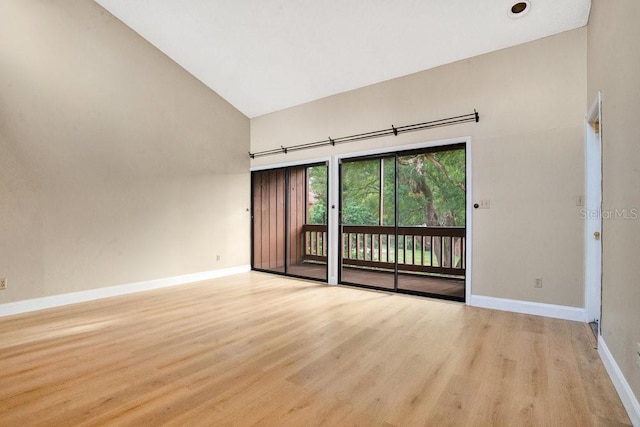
[[431, 190], [318, 198]]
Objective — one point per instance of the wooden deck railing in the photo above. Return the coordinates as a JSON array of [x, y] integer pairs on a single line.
[[440, 250], [315, 242]]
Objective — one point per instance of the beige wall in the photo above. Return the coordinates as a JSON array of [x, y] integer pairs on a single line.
[[613, 67], [527, 154], [116, 166]]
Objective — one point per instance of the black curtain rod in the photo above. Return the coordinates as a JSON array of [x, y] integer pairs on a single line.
[[471, 117]]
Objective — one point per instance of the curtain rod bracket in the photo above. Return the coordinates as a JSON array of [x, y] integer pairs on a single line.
[[477, 115], [332, 141], [395, 130]]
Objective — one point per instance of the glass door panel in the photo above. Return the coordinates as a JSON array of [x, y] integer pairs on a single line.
[[367, 211], [307, 221], [431, 222]]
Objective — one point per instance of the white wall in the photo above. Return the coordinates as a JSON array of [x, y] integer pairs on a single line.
[[116, 166]]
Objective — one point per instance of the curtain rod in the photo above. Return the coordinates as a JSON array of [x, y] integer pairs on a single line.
[[471, 117]]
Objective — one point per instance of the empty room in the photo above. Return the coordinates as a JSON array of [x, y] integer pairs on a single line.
[[319, 213]]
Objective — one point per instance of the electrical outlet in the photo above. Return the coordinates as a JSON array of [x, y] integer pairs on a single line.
[[217, 257], [3, 283], [538, 282], [484, 204], [580, 200]]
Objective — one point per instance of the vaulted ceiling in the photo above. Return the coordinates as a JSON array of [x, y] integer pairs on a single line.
[[266, 55]]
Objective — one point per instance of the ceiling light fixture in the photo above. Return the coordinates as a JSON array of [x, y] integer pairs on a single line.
[[519, 9]]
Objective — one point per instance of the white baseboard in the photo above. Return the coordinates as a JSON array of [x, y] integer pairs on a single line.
[[35, 304], [527, 307], [629, 400]]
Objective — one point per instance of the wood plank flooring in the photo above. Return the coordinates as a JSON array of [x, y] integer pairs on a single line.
[[257, 349]]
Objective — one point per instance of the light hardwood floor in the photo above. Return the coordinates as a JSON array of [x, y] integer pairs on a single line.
[[256, 349]]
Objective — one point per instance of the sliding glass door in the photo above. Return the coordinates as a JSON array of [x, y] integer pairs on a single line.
[[402, 222], [289, 216]]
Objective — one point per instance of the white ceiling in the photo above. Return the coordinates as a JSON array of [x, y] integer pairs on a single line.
[[266, 55]]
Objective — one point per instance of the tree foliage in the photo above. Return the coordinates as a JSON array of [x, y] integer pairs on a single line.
[[431, 190], [361, 183], [317, 176]]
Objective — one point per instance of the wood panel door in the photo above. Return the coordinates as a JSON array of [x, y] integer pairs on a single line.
[[297, 191], [268, 213]]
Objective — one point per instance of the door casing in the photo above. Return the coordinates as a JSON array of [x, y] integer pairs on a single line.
[[592, 212]]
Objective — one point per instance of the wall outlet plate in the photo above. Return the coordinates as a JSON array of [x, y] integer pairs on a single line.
[[538, 282], [3, 283]]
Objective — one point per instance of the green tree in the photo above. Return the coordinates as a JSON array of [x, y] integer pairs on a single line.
[[361, 192], [432, 189], [317, 176]]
